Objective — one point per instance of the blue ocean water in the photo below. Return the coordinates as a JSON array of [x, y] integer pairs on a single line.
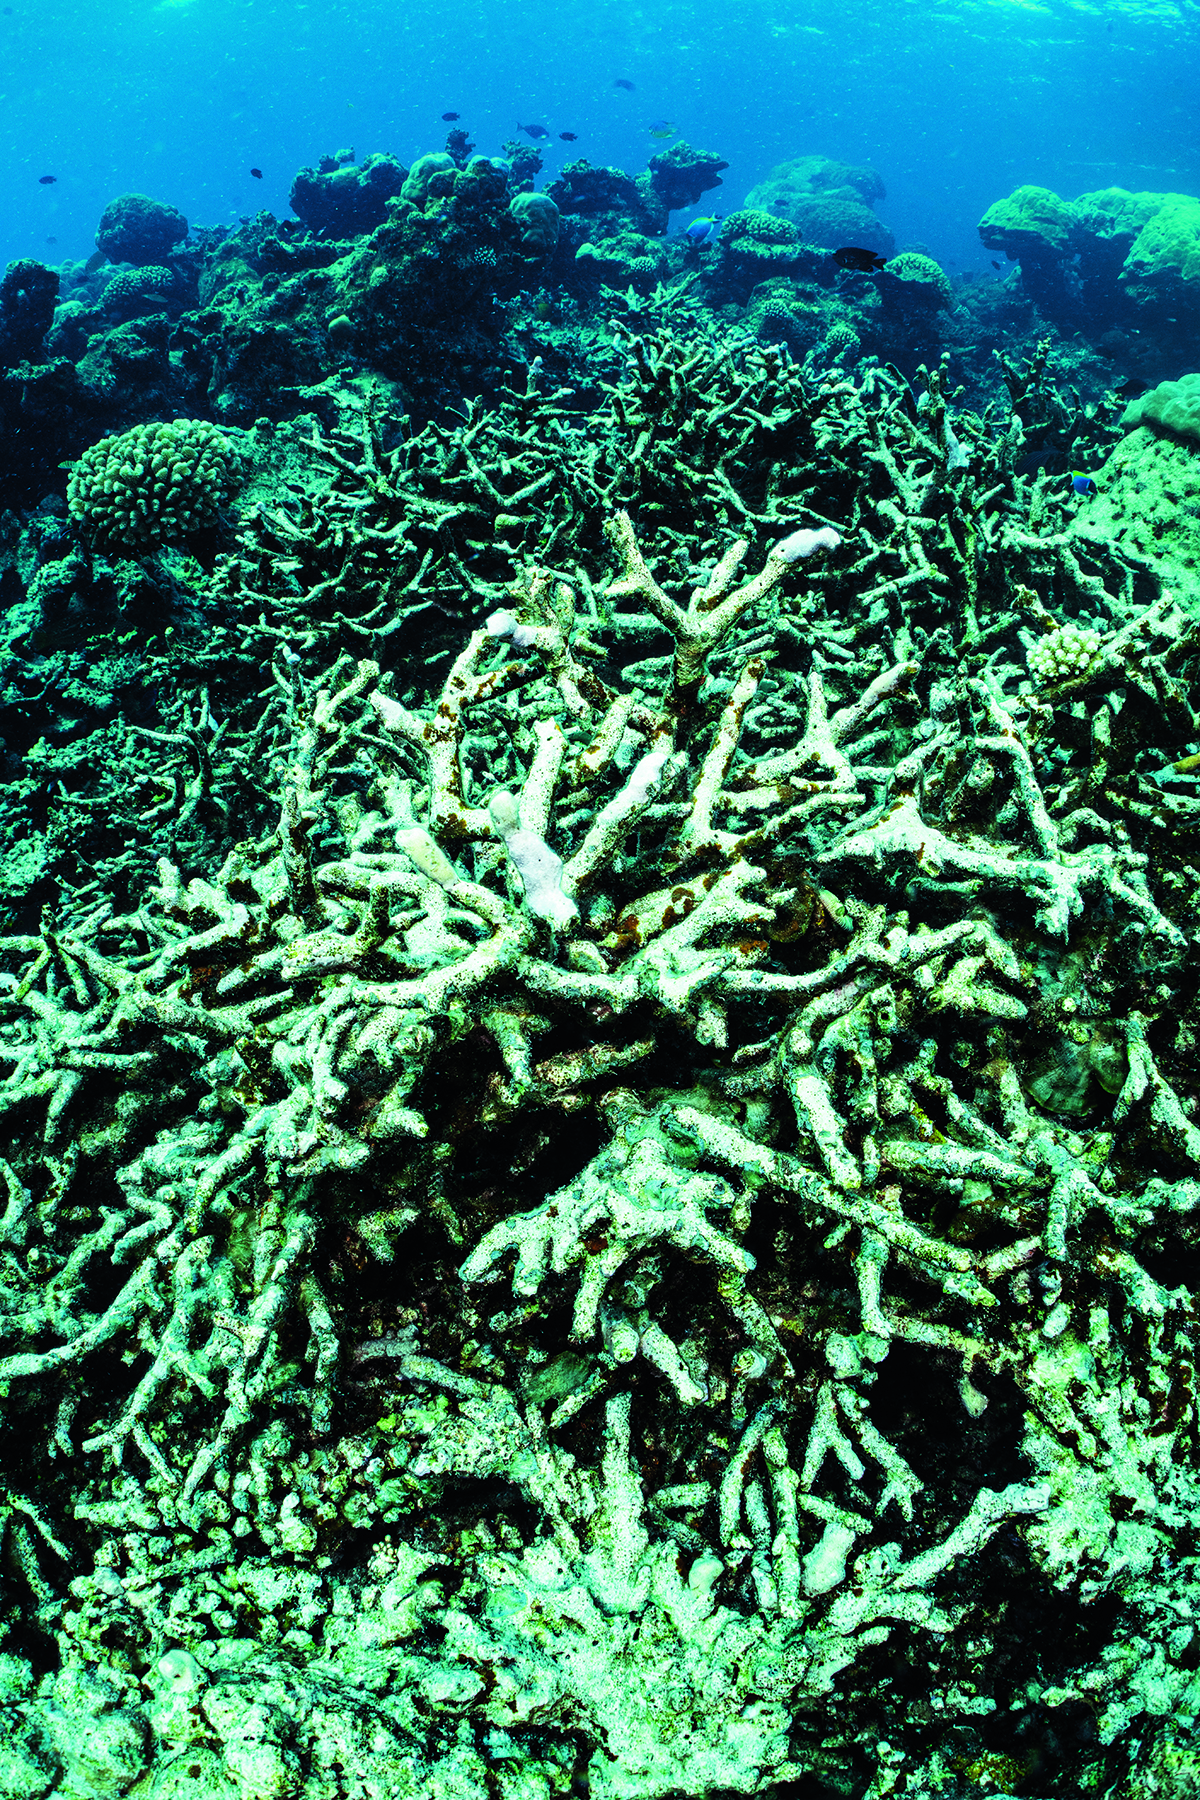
[[953, 104]]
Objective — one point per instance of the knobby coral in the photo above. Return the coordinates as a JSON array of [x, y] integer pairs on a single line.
[[152, 485]]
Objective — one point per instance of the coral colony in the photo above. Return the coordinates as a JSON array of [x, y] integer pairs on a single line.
[[600, 1162]]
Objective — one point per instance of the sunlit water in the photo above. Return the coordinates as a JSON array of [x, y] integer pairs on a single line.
[[953, 103]]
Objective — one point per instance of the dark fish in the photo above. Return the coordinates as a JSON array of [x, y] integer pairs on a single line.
[[621, 83], [45, 180], [533, 131], [852, 256], [96, 260], [995, 264], [52, 240], [1129, 390], [257, 174], [449, 118], [568, 137]]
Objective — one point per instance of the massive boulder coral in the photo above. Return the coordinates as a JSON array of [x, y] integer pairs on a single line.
[[28, 292], [1109, 261], [341, 200], [135, 229], [1147, 495], [681, 176], [829, 203]]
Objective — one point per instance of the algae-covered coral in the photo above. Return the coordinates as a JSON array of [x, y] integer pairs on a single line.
[[600, 1161]]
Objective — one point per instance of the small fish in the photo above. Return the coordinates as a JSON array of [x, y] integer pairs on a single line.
[[1083, 484], [995, 264], [662, 128], [1129, 390], [568, 137], [534, 131], [449, 118], [701, 230], [52, 240], [853, 256], [257, 174], [621, 83], [46, 180]]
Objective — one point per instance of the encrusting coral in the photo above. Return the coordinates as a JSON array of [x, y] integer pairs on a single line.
[[654, 1198]]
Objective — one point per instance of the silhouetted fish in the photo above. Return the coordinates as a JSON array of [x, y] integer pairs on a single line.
[[1129, 390], [995, 264], [257, 174], [568, 137], [52, 240], [621, 83], [45, 180], [450, 117], [533, 131], [853, 256]]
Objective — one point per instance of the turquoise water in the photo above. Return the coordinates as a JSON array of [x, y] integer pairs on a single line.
[[953, 104]]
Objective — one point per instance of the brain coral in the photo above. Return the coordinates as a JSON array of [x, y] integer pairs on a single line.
[[154, 484]]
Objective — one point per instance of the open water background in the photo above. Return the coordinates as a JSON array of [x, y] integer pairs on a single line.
[[953, 103]]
